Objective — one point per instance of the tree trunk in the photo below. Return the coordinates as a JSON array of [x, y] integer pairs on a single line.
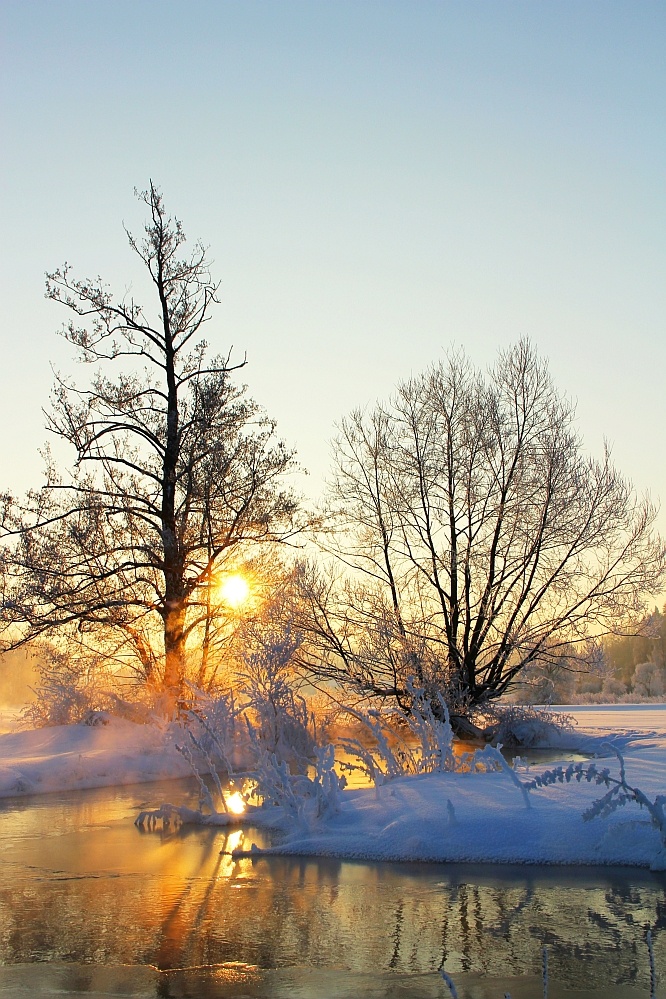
[[467, 731], [174, 649]]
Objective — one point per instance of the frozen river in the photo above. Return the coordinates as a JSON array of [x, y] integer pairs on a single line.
[[91, 906]]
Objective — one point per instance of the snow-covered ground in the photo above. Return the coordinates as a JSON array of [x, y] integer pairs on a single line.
[[70, 757], [435, 817]]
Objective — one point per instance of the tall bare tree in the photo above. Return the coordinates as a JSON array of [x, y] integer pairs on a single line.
[[481, 538], [177, 473]]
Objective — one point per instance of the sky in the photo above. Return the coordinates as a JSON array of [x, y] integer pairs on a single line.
[[377, 182]]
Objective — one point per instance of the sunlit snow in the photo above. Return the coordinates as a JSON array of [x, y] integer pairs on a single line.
[[435, 817]]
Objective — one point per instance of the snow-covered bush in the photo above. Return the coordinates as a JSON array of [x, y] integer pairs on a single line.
[[649, 680], [304, 797], [544, 683], [78, 685], [87, 701], [208, 743], [59, 704], [211, 720], [524, 725], [613, 690], [281, 719], [258, 742], [397, 742], [70, 689]]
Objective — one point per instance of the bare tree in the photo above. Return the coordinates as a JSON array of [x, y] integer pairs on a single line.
[[481, 538], [177, 473]]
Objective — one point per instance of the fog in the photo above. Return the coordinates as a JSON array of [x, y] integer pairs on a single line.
[[18, 678]]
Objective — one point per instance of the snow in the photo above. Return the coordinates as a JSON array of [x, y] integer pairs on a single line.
[[453, 817], [486, 821], [72, 757]]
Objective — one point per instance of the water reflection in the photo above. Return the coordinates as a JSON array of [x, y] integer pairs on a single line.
[[81, 885]]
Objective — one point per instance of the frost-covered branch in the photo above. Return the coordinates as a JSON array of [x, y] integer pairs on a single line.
[[619, 793], [414, 743], [491, 755]]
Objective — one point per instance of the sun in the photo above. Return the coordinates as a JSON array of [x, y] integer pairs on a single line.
[[234, 590]]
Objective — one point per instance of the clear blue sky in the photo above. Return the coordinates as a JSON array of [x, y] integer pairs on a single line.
[[376, 181]]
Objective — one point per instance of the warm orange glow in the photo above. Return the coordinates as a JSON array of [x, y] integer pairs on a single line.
[[234, 590], [228, 865], [235, 803]]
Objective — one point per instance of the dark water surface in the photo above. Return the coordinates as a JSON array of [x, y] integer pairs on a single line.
[[91, 906]]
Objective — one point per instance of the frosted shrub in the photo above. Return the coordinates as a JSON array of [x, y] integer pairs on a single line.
[[262, 750], [72, 689], [402, 743], [613, 690], [211, 743], [212, 723], [79, 686], [284, 723], [525, 725], [206, 750], [60, 704], [281, 719], [304, 798], [649, 680]]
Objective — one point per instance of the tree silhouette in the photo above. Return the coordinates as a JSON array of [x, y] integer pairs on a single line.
[[482, 538], [177, 474]]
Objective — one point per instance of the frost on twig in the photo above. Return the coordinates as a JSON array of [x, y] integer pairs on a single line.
[[619, 793], [491, 757], [403, 743]]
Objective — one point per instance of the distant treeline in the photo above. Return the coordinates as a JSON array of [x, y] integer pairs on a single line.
[[624, 655], [629, 668]]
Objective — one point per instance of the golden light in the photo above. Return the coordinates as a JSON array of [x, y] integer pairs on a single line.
[[235, 803], [233, 842], [234, 590]]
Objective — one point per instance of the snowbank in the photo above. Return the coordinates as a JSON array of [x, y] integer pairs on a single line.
[[483, 818], [71, 757]]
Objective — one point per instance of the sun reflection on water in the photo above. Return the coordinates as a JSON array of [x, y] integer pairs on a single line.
[[227, 863], [235, 803]]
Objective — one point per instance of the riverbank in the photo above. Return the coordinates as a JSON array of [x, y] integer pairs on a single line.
[[441, 817]]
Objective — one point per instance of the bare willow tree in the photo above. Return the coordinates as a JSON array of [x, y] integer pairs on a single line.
[[481, 537], [177, 473]]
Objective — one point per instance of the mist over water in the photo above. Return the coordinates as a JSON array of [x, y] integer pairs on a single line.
[[84, 893], [18, 677]]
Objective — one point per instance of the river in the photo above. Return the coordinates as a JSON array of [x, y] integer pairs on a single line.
[[91, 906]]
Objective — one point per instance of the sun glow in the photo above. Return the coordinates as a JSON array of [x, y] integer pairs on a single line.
[[235, 803], [234, 590], [234, 841]]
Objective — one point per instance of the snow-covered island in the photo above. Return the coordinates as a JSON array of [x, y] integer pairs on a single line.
[[486, 815]]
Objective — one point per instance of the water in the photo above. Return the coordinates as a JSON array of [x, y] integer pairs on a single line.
[[91, 906]]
